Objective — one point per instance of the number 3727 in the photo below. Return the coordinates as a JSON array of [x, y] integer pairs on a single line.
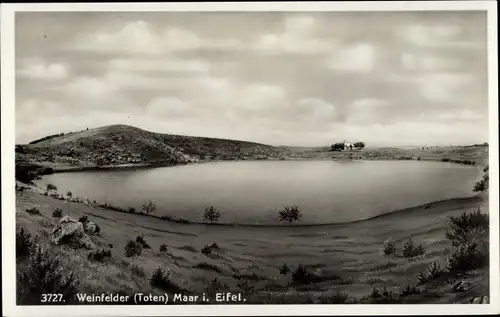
[[52, 298]]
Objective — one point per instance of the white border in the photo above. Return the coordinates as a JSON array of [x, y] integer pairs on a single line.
[[7, 152]]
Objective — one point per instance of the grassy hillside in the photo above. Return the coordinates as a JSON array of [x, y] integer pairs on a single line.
[[121, 144]]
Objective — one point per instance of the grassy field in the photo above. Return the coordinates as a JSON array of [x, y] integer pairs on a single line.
[[342, 263]]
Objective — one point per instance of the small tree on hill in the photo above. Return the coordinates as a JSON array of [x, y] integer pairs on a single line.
[[149, 207], [359, 144], [212, 214], [289, 213], [51, 187]]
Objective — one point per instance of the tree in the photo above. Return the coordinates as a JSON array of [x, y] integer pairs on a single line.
[[69, 194], [359, 144], [51, 187], [483, 184], [337, 147], [212, 214], [289, 213], [149, 207]]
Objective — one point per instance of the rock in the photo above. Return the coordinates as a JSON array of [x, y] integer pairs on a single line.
[[71, 232], [90, 228]]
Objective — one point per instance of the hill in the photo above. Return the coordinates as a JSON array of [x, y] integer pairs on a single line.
[[126, 145]]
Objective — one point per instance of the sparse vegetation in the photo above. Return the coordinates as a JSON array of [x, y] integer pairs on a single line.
[[163, 248], [211, 214], [433, 272], [289, 213], [215, 286], [245, 286], [44, 275], [142, 242], [132, 248], [137, 270], [483, 184], [409, 290], [24, 243], [337, 298], [162, 280], [51, 187], [33, 211], [99, 255], [284, 269], [57, 213], [410, 250], [389, 247], [148, 207]]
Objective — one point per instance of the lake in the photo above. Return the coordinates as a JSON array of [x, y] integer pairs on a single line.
[[251, 192]]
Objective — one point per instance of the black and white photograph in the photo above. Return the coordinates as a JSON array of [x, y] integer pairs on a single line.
[[221, 156]]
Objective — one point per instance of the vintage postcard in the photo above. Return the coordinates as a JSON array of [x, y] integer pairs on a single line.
[[306, 158]]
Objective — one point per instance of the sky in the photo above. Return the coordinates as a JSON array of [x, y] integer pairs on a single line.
[[280, 78]]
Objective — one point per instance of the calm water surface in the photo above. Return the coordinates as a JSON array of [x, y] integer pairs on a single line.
[[252, 192]]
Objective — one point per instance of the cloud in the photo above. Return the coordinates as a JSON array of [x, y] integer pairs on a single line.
[[366, 110], [159, 65], [437, 35], [141, 38], [316, 109], [358, 58], [39, 69], [297, 37], [444, 87], [167, 107], [462, 115], [428, 62]]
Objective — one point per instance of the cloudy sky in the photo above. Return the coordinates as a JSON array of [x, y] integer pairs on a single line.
[[386, 78]]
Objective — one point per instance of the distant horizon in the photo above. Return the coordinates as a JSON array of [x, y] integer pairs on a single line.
[[275, 145]]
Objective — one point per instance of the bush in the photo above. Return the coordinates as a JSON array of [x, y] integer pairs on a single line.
[[284, 269], [433, 272], [409, 290], [483, 184], [212, 214], [24, 244], [148, 207], [142, 242], [137, 270], [214, 246], [289, 213], [301, 275], [44, 275], [163, 248], [51, 187], [131, 210], [99, 255], [411, 251], [389, 247], [57, 213], [161, 279], [83, 219], [468, 257], [132, 248], [33, 211], [468, 228], [207, 250]]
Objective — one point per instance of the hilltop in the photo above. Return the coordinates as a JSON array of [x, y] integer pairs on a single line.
[[117, 145]]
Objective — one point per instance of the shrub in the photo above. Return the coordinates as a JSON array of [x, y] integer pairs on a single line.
[[301, 275], [51, 187], [131, 210], [214, 286], [409, 290], [206, 250], [212, 214], [99, 255], [83, 219], [132, 248], [44, 275], [434, 270], [289, 213], [137, 270], [33, 211], [214, 246], [24, 244], [161, 279], [284, 269], [468, 257], [142, 242], [245, 287], [483, 184], [375, 293], [163, 248], [389, 247], [411, 251], [468, 227], [57, 213], [148, 207]]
